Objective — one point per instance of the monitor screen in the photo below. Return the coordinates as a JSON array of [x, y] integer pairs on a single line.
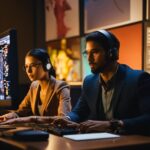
[[8, 68]]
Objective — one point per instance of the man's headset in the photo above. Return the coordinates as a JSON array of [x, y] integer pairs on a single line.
[[112, 51]]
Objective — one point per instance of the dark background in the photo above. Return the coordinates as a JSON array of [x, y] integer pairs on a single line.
[[27, 17]]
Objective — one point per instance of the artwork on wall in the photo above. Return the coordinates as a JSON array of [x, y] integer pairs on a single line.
[[65, 56], [104, 14], [62, 19], [147, 47]]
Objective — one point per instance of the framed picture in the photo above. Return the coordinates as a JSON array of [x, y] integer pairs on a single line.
[[147, 9], [61, 19], [147, 47], [104, 14], [65, 56]]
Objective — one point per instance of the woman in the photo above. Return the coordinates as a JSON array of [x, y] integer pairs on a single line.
[[46, 96]]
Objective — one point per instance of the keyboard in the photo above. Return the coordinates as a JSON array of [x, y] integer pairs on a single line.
[[57, 130], [43, 127]]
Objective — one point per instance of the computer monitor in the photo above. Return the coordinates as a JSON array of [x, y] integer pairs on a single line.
[[8, 68]]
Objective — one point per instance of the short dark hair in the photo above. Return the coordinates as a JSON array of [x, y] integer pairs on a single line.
[[104, 41], [43, 56]]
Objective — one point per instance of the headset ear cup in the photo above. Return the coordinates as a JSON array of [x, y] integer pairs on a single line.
[[48, 66], [110, 54], [113, 54]]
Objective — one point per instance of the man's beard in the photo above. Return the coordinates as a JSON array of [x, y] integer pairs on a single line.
[[101, 68], [98, 70]]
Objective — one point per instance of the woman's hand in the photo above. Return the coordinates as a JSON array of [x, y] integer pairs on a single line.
[[8, 116], [19, 120]]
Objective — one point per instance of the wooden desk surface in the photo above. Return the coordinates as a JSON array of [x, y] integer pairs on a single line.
[[134, 142], [56, 143]]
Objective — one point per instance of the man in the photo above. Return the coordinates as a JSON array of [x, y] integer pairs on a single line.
[[115, 97]]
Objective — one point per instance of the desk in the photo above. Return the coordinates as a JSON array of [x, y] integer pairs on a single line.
[[128, 142]]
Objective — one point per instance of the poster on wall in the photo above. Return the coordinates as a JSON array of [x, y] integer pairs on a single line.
[[65, 56], [62, 19], [147, 48], [104, 14]]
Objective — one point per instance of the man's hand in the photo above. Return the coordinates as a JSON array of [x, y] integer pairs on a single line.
[[94, 126], [64, 122]]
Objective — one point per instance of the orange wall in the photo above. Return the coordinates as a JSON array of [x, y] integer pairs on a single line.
[[130, 44]]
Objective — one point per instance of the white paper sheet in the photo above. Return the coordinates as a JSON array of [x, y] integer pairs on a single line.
[[91, 136]]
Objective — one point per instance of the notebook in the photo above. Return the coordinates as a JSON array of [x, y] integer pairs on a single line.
[[91, 136]]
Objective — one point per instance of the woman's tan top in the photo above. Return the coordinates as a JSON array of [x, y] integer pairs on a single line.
[[57, 100]]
